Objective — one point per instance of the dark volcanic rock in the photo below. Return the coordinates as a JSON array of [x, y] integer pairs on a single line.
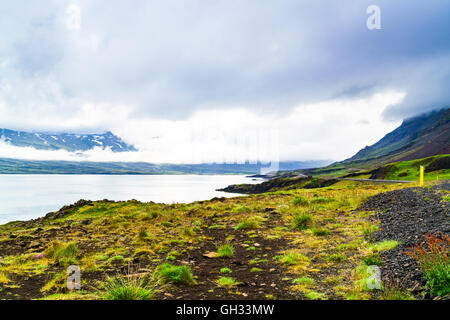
[[438, 164], [406, 215]]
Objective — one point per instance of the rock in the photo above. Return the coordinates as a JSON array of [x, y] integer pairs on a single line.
[[210, 255]]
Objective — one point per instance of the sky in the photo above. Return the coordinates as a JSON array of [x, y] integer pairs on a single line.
[[200, 81]]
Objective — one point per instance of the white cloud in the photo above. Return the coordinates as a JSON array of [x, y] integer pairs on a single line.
[[333, 129], [213, 72]]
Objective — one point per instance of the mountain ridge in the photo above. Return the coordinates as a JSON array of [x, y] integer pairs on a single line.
[[417, 137], [422, 136]]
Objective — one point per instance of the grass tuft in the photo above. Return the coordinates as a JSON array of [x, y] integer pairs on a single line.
[[226, 282], [300, 201], [121, 288], [225, 251], [302, 221], [168, 273]]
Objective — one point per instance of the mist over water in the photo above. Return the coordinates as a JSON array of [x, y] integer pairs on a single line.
[[25, 197]]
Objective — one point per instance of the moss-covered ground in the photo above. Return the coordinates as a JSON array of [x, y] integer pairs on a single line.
[[288, 244]]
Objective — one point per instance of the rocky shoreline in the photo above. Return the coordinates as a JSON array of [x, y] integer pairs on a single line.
[[275, 184]]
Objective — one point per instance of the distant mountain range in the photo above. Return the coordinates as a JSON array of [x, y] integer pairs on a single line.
[[65, 141], [14, 166], [82, 142]]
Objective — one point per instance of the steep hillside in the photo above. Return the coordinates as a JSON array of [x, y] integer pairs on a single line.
[[436, 167], [419, 137], [65, 141]]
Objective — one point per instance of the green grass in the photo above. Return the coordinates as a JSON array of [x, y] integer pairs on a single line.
[[249, 223], [291, 259], [409, 170], [369, 229], [127, 289], [115, 259], [143, 234], [394, 292], [303, 280], [226, 282], [58, 250], [225, 270], [336, 257], [300, 201], [225, 251], [372, 260], [384, 245], [168, 273], [301, 221], [322, 200], [313, 295], [320, 232]]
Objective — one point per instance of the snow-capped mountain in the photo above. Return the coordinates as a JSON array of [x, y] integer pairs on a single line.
[[66, 141]]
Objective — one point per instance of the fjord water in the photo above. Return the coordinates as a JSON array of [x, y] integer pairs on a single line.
[[25, 197]]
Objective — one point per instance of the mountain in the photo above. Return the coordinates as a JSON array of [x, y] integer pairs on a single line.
[[419, 137], [64, 141], [15, 166]]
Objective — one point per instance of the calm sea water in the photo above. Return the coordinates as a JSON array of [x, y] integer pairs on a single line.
[[24, 197]]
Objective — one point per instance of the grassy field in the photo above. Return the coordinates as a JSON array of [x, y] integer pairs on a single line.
[[289, 244], [409, 170], [400, 170]]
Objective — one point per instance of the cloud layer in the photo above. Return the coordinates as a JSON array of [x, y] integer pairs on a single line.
[[87, 66], [237, 135]]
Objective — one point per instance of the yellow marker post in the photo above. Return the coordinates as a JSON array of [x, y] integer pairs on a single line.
[[421, 176]]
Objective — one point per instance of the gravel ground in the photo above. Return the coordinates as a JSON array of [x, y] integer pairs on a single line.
[[406, 216]]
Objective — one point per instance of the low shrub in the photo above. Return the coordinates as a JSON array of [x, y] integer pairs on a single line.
[[432, 257]]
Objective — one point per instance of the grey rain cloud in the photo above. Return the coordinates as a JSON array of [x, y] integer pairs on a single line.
[[167, 59]]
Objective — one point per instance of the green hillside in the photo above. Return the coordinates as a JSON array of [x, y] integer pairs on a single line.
[[436, 167]]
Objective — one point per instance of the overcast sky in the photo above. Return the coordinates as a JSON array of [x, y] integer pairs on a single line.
[[189, 80]]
